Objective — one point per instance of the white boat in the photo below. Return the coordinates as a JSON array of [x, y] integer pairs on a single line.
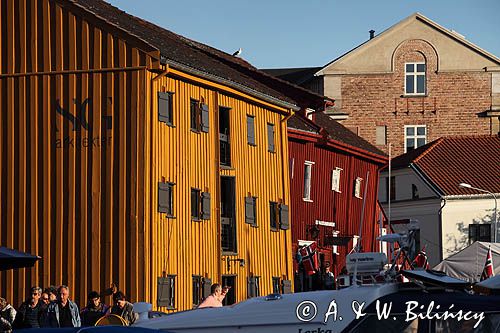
[[431, 302]]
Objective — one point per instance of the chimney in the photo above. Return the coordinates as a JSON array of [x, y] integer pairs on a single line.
[[372, 34]]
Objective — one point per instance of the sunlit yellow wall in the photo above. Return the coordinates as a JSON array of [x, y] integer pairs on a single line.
[[190, 160]]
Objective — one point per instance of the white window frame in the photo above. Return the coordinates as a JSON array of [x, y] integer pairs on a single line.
[[415, 74], [357, 187], [307, 185], [336, 175], [415, 137], [335, 250]]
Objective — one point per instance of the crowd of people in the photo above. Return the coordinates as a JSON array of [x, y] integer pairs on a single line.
[[53, 307]]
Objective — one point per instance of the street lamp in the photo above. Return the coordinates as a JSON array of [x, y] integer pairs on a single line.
[[494, 198]]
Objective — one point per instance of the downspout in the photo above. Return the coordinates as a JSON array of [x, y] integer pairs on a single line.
[[166, 261], [283, 123]]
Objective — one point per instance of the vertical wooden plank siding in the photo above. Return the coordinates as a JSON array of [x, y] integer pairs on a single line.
[[184, 247], [342, 207], [82, 152]]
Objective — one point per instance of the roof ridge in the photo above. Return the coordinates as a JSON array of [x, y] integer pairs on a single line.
[[428, 150], [428, 21]]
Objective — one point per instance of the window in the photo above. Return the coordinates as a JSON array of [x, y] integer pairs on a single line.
[[276, 285], [250, 130], [166, 198], [228, 216], [336, 179], [415, 136], [415, 79], [479, 232], [166, 292], [253, 286], [357, 188], [270, 137], [307, 180], [195, 115], [251, 211], [273, 218], [195, 204], [197, 290], [165, 109], [224, 136], [200, 205], [381, 135], [199, 116]]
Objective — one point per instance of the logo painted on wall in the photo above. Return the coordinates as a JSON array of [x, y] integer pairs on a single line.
[[83, 114]]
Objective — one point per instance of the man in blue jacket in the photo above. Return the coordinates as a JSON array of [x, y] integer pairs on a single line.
[[63, 312]]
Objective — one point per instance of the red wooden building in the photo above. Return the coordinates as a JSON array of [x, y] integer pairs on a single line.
[[329, 167]]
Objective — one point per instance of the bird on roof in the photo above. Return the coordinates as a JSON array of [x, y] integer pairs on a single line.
[[237, 53]]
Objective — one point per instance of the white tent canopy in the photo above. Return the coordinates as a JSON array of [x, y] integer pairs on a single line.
[[468, 264]]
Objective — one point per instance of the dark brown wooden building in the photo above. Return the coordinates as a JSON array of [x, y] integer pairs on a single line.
[[329, 168]]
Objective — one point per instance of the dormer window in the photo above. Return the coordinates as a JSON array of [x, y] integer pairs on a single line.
[[415, 78]]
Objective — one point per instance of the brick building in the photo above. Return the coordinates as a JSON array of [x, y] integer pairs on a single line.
[[411, 84]]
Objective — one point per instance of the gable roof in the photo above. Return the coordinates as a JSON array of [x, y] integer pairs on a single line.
[[447, 162], [339, 132], [293, 75], [333, 131], [188, 55], [419, 17]]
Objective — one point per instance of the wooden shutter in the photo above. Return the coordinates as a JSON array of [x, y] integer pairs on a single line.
[[250, 130], [163, 107], [205, 206], [284, 224], [251, 287], [207, 284], [270, 137], [164, 296], [204, 118], [249, 210], [287, 286], [163, 197]]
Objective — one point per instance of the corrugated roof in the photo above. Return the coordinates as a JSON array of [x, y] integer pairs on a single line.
[[447, 162], [201, 57]]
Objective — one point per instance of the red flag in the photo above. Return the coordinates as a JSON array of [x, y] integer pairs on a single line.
[[309, 258], [420, 260], [488, 267]]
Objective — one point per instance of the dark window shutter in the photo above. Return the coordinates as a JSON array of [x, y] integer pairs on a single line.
[[205, 206], [163, 197], [249, 211], [284, 217], [270, 137], [204, 118], [251, 287], [287, 287], [164, 296], [207, 284], [164, 107], [250, 130]]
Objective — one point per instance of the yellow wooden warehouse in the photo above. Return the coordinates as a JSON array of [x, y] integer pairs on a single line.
[[135, 156]]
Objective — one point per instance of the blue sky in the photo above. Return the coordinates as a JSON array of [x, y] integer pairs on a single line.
[[306, 33]]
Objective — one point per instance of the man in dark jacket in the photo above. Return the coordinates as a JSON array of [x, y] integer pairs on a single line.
[[123, 308], [28, 314], [7, 316], [63, 312], [94, 310]]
